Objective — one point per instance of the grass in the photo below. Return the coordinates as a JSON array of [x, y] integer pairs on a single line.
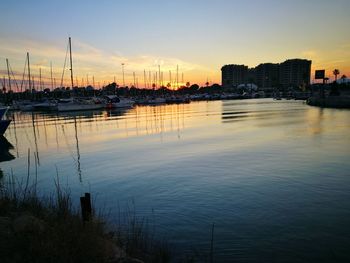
[[56, 232]]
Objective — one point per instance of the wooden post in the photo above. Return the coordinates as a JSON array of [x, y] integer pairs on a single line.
[[86, 209], [88, 204]]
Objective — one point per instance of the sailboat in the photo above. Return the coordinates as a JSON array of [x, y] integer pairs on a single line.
[[3, 123], [76, 104], [26, 105]]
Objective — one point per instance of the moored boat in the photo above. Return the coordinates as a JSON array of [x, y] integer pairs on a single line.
[[113, 101], [47, 105], [76, 104], [3, 123], [3, 111], [175, 99], [155, 101]]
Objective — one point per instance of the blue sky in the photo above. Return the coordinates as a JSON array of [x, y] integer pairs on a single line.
[[199, 35]]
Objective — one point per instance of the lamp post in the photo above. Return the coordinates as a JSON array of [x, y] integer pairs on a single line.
[[123, 74]]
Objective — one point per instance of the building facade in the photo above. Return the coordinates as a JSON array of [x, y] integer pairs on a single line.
[[267, 75], [290, 73], [232, 75], [295, 72]]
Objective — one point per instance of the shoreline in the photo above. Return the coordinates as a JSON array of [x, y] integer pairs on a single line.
[[338, 102]]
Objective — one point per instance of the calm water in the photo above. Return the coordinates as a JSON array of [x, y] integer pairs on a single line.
[[274, 176]]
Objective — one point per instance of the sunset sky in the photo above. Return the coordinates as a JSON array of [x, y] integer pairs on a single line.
[[198, 35]]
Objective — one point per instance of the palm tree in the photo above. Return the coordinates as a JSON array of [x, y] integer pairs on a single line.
[[336, 72]]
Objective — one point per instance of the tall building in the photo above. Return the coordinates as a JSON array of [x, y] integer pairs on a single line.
[[295, 72], [232, 75], [267, 75], [290, 73]]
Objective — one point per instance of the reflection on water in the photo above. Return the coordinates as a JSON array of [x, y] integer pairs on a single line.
[[5, 155], [5, 147], [272, 175]]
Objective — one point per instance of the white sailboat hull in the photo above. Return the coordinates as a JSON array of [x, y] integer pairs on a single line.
[[78, 107]]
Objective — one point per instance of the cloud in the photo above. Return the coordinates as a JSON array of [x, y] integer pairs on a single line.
[[309, 54], [89, 60]]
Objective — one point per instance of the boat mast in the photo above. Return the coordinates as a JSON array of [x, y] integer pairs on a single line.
[[149, 79], [33, 82], [134, 79], [159, 83], [29, 78], [177, 76], [71, 62], [51, 76], [8, 73], [123, 75], [40, 83], [170, 77], [3, 83]]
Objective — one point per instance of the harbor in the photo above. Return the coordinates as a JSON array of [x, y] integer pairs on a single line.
[[174, 131], [203, 154]]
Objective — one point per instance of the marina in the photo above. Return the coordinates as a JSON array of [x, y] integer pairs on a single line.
[[249, 166], [174, 131]]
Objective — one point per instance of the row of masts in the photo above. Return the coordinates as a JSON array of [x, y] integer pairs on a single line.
[[153, 80], [150, 80]]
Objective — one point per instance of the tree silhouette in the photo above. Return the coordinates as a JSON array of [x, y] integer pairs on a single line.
[[336, 73]]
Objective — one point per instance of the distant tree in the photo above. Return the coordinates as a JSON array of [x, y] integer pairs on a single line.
[[188, 84], [336, 72], [193, 88], [343, 76], [216, 86]]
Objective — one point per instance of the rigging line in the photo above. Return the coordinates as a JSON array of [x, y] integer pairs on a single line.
[[24, 72], [64, 65], [13, 75]]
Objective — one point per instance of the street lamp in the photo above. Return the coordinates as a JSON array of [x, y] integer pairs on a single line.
[[123, 75]]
